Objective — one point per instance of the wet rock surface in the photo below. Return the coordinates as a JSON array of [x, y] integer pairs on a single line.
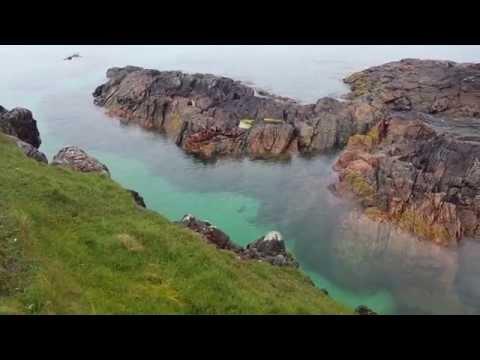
[[270, 248], [211, 116], [77, 159], [19, 122]]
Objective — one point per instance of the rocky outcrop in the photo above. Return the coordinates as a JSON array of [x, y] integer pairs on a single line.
[[364, 310], [270, 248], [434, 87], [417, 167], [29, 150], [209, 232], [77, 159], [211, 116], [19, 122], [419, 172], [137, 198]]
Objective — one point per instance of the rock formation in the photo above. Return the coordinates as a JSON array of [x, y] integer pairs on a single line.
[[270, 248], [29, 150], [419, 166], [20, 123], [77, 159], [411, 127], [211, 116], [364, 310], [429, 86], [137, 198], [422, 176]]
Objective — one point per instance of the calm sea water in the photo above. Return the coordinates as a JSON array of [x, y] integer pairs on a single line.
[[247, 198]]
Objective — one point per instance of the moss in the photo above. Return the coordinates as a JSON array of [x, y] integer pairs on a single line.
[[174, 126], [359, 186], [415, 223], [83, 246], [359, 83], [367, 141], [374, 213]]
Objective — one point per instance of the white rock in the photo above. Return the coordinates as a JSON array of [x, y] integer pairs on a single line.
[[273, 236]]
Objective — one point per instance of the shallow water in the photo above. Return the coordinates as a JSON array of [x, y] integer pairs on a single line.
[[390, 272]]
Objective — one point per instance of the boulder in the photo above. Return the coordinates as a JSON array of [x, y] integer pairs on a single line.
[[209, 232], [364, 310], [19, 122], [137, 198], [270, 248], [78, 160], [29, 150]]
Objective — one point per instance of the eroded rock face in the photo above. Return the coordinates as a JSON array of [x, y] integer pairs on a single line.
[[77, 159], [418, 166], [19, 122], [420, 172], [202, 113], [270, 248]]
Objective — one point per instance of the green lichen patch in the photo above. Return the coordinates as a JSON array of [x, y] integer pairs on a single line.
[[415, 223], [359, 186]]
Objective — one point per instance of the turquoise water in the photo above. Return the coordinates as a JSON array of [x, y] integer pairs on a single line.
[[244, 198]]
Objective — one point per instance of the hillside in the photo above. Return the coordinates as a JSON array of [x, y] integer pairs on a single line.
[[76, 243]]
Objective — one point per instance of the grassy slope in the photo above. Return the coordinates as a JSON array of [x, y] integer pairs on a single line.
[[82, 246]]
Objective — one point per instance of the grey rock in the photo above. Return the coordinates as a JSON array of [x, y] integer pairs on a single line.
[[77, 159], [19, 122]]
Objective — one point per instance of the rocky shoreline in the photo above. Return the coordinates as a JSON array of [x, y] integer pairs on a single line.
[[418, 167], [211, 116], [410, 127], [269, 248]]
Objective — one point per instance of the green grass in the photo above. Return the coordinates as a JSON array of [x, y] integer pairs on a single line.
[[75, 243]]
